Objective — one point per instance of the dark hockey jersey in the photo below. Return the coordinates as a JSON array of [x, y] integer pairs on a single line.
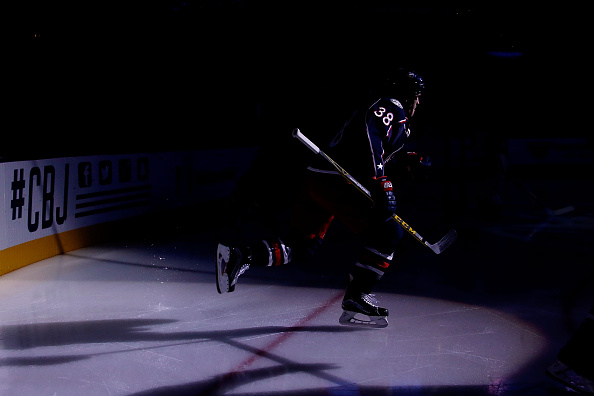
[[369, 139]]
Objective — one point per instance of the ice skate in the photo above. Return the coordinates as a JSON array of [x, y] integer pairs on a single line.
[[230, 264], [361, 310]]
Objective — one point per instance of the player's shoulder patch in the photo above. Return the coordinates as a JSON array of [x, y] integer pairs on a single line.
[[397, 103]]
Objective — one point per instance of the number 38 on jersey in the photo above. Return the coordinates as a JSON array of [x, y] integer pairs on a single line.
[[387, 118]]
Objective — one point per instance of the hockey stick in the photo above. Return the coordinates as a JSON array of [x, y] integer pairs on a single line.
[[437, 247]]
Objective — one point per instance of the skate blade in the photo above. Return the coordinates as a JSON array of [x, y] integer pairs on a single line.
[[223, 255], [349, 318]]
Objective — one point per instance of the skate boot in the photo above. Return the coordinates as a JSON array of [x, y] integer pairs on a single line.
[[230, 263], [361, 309]]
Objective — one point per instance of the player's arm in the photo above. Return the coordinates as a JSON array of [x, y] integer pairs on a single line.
[[379, 123]]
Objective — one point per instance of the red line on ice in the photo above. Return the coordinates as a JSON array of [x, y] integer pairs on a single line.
[[286, 335]]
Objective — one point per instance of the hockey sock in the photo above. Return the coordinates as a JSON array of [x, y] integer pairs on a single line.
[[369, 269], [272, 252]]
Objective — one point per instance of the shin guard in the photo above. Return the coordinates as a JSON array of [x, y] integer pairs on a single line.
[[272, 252], [370, 268]]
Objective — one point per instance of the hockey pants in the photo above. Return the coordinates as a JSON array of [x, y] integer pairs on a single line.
[[325, 197]]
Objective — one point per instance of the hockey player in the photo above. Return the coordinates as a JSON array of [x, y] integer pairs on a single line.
[[374, 135]]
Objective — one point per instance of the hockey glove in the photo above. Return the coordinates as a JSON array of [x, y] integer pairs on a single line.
[[414, 159], [417, 165], [385, 201]]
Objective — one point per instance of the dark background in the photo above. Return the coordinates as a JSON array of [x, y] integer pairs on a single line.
[[105, 77]]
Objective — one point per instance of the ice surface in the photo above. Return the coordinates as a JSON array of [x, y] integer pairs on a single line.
[[145, 318]]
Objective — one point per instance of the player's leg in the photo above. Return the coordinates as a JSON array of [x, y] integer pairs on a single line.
[[376, 256], [379, 237], [232, 262], [309, 225]]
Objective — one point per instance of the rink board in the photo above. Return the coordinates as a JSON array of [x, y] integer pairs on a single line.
[[56, 205]]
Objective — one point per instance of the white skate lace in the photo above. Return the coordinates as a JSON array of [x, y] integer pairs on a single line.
[[243, 268], [370, 299]]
